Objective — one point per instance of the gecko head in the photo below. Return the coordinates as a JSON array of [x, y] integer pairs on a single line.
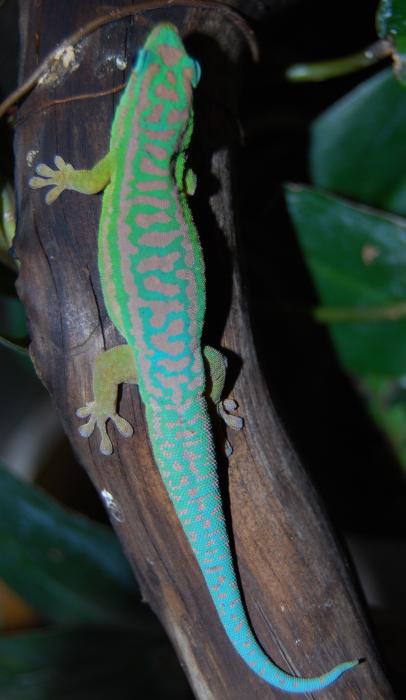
[[164, 46]]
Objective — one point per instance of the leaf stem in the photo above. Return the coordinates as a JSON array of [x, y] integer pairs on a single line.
[[324, 70], [16, 347], [387, 312]]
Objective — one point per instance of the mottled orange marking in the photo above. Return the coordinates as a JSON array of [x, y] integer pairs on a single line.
[[161, 309], [158, 239], [151, 169], [171, 381], [155, 116], [169, 54], [159, 135], [155, 284], [164, 93], [162, 340], [158, 151], [152, 185], [157, 202], [146, 220], [176, 115], [174, 365], [124, 230], [165, 263]]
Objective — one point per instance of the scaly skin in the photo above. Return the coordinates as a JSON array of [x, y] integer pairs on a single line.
[[152, 274]]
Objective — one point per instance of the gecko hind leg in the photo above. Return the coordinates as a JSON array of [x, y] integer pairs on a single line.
[[111, 368], [217, 365]]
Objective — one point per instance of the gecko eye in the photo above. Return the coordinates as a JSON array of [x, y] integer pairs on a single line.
[[197, 72]]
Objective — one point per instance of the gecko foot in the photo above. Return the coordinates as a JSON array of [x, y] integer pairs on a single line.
[[224, 408], [59, 179], [99, 419]]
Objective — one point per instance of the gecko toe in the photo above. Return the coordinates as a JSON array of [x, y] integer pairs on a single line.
[[122, 425], [234, 422], [86, 410], [37, 182], [53, 194], [228, 449], [59, 162], [106, 447], [87, 429], [44, 170]]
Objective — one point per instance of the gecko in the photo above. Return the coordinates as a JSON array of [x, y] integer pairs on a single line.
[[152, 276]]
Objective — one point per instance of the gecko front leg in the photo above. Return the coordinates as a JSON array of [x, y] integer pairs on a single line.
[[65, 177], [111, 368]]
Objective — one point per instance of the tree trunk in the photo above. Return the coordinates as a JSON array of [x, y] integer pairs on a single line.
[[296, 583]]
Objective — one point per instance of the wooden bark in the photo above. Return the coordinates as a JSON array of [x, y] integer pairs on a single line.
[[297, 585]]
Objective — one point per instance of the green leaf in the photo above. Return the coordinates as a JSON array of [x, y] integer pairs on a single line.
[[7, 215], [358, 146], [86, 664], [12, 317], [67, 567], [391, 18], [7, 223], [357, 258], [391, 24]]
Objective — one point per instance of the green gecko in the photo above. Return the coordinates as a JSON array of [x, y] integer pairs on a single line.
[[151, 269]]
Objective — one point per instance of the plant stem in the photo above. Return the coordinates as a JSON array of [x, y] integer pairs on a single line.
[[387, 312], [324, 70]]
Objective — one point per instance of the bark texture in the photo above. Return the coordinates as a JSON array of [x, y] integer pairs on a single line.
[[296, 583]]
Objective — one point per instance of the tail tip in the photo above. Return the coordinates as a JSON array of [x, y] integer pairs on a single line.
[[356, 662], [350, 664]]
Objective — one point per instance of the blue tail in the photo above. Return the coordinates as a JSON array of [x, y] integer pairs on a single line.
[[194, 491]]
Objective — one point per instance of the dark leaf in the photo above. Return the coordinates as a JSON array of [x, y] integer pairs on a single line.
[[357, 258], [358, 146], [391, 24], [86, 664], [67, 567]]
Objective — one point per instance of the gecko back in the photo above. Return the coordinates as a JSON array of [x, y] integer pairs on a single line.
[[152, 274]]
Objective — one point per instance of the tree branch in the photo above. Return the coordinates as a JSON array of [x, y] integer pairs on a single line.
[[296, 584]]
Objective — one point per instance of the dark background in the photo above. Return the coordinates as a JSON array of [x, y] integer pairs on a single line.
[[350, 462]]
